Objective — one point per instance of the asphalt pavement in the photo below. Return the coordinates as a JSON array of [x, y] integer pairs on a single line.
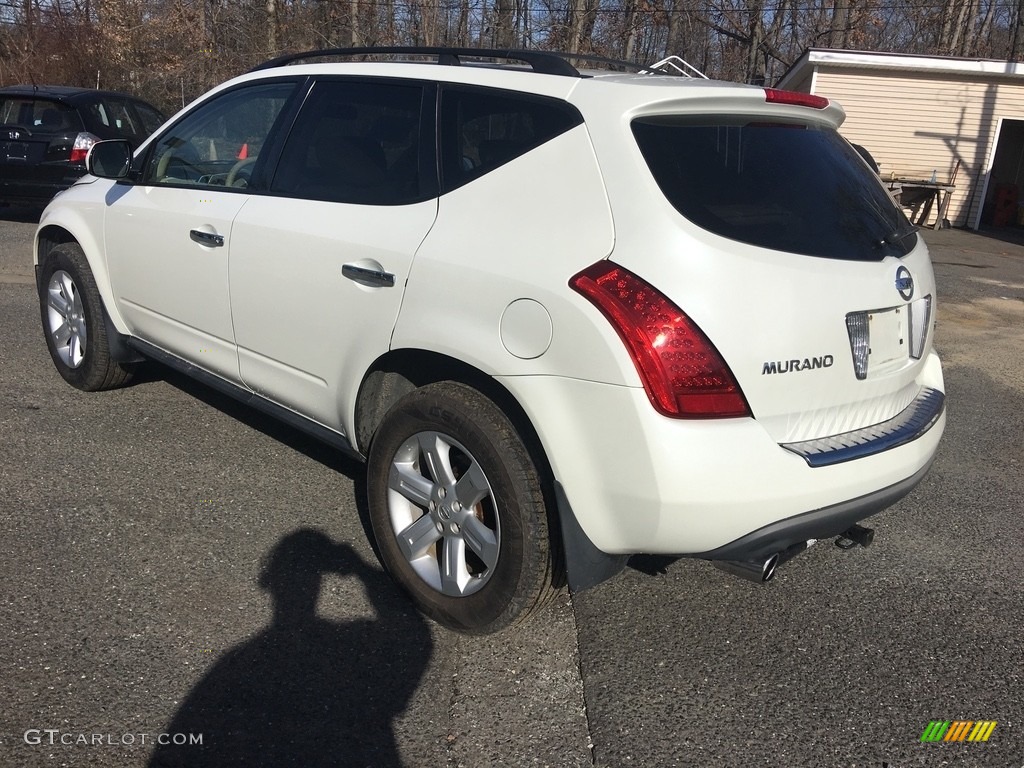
[[176, 566]]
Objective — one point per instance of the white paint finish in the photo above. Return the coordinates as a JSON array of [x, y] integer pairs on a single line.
[[306, 334], [640, 482], [81, 215], [505, 237], [489, 287], [525, 329], [758, 305], [170, 290]]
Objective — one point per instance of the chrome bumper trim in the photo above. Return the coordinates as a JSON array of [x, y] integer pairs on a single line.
[[912, 422]]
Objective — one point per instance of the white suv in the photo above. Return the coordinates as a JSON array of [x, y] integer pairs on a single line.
[[563, 316]]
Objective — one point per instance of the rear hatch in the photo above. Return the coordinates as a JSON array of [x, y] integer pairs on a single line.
[[37, 139], [784, 247]]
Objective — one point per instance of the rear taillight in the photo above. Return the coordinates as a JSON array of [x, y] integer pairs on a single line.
[[794, 98], [681, 370], [79, 150]]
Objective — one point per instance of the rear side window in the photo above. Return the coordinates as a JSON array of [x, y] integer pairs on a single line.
[[119, 117], [789, 187], [482, 129]]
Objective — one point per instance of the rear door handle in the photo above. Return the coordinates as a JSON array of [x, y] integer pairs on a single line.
[[209, 239], [367, 275]]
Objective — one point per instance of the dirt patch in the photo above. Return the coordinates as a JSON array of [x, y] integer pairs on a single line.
[[987, 334]]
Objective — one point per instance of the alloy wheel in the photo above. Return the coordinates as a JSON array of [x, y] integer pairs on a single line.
[[443, 513], [65, 319]]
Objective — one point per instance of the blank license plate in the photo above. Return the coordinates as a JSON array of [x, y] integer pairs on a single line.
[[14, 150], [888, 337]]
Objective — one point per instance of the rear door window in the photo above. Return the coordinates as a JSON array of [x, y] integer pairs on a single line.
[[360, 142], [789, 187], [151, 119]]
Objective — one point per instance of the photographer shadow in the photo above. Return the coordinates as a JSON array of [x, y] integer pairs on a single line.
[[307, 691]]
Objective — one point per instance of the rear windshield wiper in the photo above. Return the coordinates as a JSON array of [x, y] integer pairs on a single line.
[[896, 237]]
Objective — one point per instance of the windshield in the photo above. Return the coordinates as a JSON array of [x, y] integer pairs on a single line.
[[785, 186]]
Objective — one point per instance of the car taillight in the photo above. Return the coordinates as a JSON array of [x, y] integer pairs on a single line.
[[83, 142], [796, 99], [682, 372]]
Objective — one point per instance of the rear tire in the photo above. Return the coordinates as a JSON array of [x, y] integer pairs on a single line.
[[457, 510], [73, 324]]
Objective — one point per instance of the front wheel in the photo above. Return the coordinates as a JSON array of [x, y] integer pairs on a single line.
[[457, 509], [72, 315]]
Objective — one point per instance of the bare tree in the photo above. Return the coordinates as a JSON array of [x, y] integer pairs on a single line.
[[172, 50]]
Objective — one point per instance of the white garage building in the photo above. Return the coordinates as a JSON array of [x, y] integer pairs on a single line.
[[919, 115]]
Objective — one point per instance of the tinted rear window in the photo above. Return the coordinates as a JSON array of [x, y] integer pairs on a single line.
[[39, 115], [795, 188]]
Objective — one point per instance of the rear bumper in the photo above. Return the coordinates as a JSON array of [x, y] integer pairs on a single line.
[[825, 523], [36, 191], [638, 482], [912, 422]]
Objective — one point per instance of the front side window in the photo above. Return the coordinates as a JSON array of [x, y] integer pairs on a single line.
[[789, 187], [482, 129], [358, 142], [219, 144]]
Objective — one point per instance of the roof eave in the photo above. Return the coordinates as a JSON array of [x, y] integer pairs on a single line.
[[897, 62]]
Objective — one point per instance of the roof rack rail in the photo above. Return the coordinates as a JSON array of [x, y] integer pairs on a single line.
[[675, 65], [630, 66], [541, 62]]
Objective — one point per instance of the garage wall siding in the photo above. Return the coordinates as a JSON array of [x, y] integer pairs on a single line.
[[914, 123]]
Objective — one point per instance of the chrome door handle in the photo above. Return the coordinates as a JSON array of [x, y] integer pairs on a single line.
[[368, 276], [209, 239]]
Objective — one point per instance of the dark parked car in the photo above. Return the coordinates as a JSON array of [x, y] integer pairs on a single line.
[[46, 132]]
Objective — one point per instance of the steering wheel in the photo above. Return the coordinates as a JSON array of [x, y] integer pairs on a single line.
[[164, 163], [236, 169]]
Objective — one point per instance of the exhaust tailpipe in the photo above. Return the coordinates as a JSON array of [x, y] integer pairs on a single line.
[[757, 572], [761, 571]]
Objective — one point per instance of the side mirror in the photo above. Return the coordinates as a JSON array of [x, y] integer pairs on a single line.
[[109, 159]]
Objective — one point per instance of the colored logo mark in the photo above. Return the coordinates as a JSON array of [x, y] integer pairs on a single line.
[[958, 730]]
